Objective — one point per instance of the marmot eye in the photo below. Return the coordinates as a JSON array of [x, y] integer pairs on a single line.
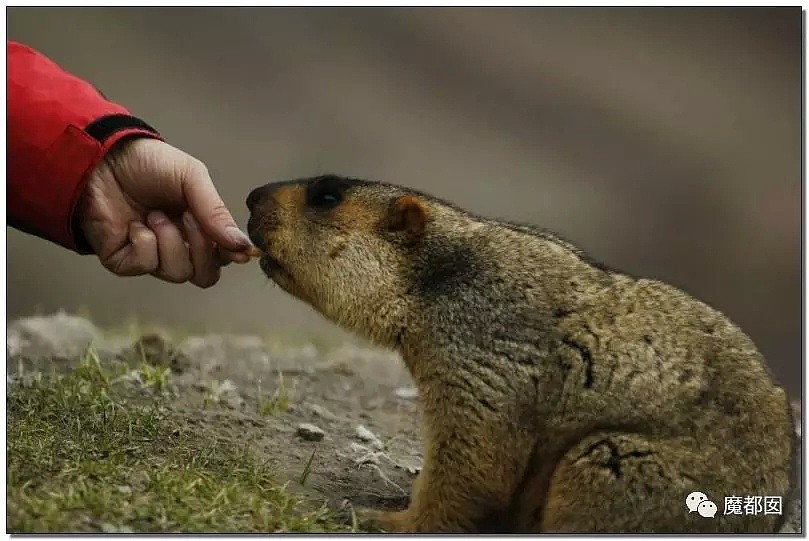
[[325, 199]]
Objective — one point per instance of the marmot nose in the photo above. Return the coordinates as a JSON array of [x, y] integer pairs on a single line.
[[256, 196]]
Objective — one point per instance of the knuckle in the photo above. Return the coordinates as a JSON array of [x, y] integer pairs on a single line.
[[128, 266], [220, 214], [197, 169]]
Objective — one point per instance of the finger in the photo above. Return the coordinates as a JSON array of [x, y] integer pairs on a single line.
[[175, 263], [203, 255], [223, 257], [209, 209], [226, 257], [178, 181], [138, 257]]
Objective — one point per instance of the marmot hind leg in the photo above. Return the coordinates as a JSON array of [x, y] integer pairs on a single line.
[[631, 483]]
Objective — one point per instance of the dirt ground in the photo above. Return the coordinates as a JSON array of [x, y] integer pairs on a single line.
[[340, 417], [353, 408], [338, 422]]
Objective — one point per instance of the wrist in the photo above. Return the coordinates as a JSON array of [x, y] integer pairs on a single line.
[[114, 133], [81, 211]]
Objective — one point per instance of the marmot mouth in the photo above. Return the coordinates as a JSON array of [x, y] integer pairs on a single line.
[[270, 265], [276, 272]]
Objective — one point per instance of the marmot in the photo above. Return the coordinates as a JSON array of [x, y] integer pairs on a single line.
[[557, 394]]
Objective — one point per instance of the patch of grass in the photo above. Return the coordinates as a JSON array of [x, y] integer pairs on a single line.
[[278, 402], [81, 459], [308, 468], [155, 378]]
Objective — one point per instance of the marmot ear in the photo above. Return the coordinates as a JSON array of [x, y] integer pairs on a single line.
[[408, 214]]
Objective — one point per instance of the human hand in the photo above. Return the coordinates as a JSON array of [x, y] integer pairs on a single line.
[[150, 208]]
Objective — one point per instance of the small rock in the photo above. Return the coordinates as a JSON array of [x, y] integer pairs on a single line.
[[357, 448], [106, 527], [322, 412], [226, 393], [158, 350], [367, 458], [363, 434], [409, 468], [226, 386], [60, 335], [124, 489], [406, 393], [309, 432]]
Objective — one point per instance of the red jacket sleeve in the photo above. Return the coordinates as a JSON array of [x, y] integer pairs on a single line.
[[59, 128]]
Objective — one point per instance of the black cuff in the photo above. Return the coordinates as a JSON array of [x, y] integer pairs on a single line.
[[101, 129]]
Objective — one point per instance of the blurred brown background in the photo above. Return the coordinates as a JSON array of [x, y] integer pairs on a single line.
[[666, 142]]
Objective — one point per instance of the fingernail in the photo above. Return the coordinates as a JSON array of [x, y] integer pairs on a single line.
[[240, 258], [238, 237], [156, 218]]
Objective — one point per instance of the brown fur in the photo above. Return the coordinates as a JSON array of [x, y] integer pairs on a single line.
[[557, 395]]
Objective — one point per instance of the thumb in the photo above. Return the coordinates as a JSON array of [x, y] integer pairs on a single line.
[[210, 211]]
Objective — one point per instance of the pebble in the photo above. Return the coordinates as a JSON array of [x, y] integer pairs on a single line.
[[309, 432], [157, 350], [322, 412], [226, 393], [107, 527], [363, 434], [406, 393]]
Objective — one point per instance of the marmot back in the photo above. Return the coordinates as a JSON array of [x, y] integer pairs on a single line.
[[558, 394]]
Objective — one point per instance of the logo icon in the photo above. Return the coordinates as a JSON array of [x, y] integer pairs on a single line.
[[707, 509], [698, 502], [693, 500]]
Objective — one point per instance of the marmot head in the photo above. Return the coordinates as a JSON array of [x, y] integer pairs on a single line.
[[345, 246]]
